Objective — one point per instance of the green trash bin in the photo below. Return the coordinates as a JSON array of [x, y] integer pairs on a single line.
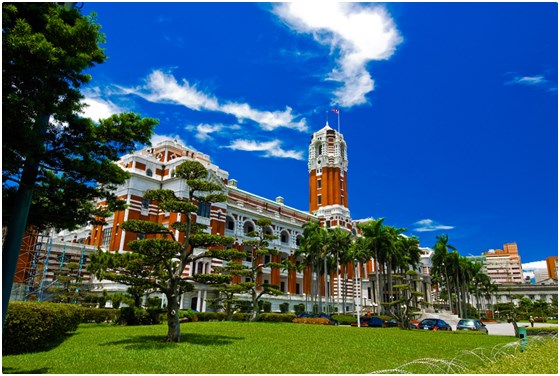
[[522, 330]]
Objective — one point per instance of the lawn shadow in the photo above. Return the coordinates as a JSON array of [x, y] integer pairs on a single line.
[[43, 348], [27, 371], [158, 342]]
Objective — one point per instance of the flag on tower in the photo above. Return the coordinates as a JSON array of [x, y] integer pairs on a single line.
[[335, 111]]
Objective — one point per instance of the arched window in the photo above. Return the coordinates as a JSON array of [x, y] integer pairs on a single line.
[[248, 227], [149, 172], [284, 237]]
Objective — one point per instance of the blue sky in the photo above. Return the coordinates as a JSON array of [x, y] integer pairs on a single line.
[[449, 110]]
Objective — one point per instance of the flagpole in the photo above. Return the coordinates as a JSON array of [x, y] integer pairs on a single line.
[[338, 113]]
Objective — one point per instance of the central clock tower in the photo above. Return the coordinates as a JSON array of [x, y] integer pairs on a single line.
[[328, 176]]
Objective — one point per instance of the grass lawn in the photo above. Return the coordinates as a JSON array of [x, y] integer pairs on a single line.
[[540, 357], [239, 347]]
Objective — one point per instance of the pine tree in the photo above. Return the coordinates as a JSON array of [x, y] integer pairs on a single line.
[[158, 260]]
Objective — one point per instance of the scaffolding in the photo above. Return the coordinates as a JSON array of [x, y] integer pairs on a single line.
[[42, 259]]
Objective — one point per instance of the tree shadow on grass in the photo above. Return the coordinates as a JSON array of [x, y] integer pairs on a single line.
[[158, 342], [26, 371], [45, 347]]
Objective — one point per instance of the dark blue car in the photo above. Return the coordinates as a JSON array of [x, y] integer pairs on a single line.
[[434, 324], [370, 322]]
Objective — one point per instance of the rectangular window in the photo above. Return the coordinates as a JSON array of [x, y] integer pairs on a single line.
[[266, 259], [328, 223], [319, 200], [297, 289], [106, 237], [283, 286], [145, 203], [204, 209], [318, 183]]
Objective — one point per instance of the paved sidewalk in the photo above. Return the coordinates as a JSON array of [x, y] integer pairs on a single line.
[[506, 329]]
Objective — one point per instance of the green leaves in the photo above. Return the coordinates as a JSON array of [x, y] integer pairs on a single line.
[[144, 227], [202, 240], [191, 170]]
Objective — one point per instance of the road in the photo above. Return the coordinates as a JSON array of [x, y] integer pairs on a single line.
[[506, 329]]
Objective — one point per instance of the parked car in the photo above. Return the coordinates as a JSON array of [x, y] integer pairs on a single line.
[[371, 322], [394, 323], [391, 323], [472, 324], [434, 324]]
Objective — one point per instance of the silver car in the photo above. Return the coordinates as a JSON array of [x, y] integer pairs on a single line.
[[472, 324]]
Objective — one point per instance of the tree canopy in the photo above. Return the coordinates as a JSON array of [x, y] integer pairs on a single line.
[[46, 49]]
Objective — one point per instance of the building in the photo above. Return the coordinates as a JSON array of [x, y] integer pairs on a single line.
[[43, 257], [552, 267], [504, 266], [154, 168]]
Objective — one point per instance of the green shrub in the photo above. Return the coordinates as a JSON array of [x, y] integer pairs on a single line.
[[276, 317], [266, 306], [542, 331], [207, 316], [98, 315], [241, 316], [344, 319], [31, 326], [299, 308], [139, 316], [284, 307], [385, 317]]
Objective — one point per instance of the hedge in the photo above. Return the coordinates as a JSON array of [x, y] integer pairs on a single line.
[[98, 315], [542, 331], [344, 319], [211, 316], [139, 316], [276, 317], [241, 316], [31, 326]]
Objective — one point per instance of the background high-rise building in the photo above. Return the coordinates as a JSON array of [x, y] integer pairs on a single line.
[[504, 266], [552, 266]]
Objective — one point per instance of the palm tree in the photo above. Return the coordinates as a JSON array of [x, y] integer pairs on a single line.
[[359, 252], [374, 231], [440, 261], [310, 249], [393, 254], [339, 242]]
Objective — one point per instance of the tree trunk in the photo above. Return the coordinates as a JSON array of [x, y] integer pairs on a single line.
[[380, 286], [255, 300], [390, 280], [377, 280], [173, 327], [327, 292], [449, 298]]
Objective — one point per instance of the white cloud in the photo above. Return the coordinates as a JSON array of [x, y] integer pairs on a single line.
[[161, 87], [203, 131], [528, 80], [426, 225], [358, 33], [534, 265], [270, 148], [98, 108]]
